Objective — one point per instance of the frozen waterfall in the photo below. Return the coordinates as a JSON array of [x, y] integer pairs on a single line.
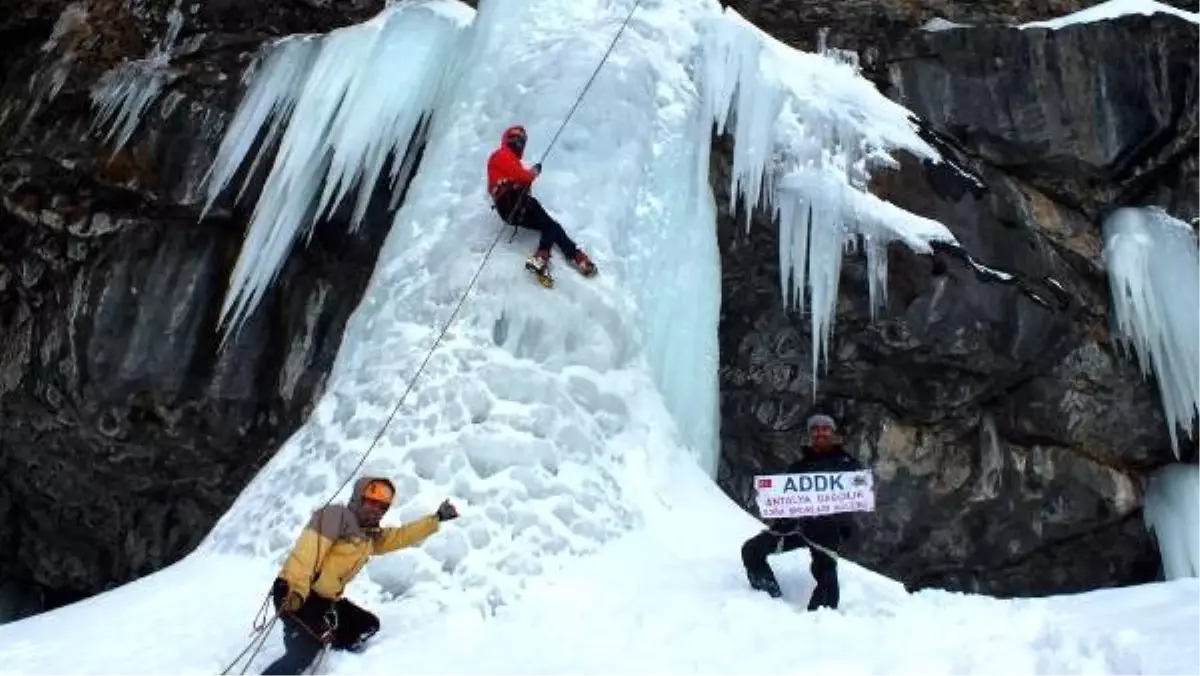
[[548, 414]]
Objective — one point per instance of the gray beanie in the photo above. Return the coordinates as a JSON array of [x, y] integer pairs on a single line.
[[821, 419]]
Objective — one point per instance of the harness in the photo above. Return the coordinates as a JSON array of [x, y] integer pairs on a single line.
[[498, 191], [502, 186]]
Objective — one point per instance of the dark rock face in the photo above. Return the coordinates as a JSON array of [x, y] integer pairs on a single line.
[[873, 27], [1092, 115], [125, 430], [1011, 442]]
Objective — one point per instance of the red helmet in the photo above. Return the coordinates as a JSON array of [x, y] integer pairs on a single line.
[[514, 133]]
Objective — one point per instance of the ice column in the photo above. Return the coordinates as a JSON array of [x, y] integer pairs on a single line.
[[1153, 273], [1172, 512]]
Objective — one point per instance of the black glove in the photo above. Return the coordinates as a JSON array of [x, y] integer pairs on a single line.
[[446, 511], [286, 598], [537, 169]]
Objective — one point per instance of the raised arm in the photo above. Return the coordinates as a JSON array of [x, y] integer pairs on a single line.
[[406, 535]]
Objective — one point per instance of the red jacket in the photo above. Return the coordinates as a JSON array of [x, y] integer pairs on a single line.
[[504, 165]]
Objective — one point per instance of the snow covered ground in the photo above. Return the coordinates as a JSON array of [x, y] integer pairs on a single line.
[[574, 427], [668, 598]]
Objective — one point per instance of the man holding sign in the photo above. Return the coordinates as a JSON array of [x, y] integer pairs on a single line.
[[809, 506]]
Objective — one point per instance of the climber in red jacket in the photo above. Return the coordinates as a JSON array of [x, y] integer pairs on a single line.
[[509, 184]]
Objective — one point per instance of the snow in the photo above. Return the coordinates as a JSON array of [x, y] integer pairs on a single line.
[[1172, 511], [669, 598], [939, 24], [1111, 10], [574, 428], [1154, 278]]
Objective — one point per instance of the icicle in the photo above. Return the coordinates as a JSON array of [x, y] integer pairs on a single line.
[[274, 82], [123, 94], [341, 105], [877, 260], [808, 130], [1152, 270], [825, 266], [757, 106], [1172, 513], [793, 249]]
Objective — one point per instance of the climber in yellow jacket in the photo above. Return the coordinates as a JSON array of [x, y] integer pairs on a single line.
[[330, 551]]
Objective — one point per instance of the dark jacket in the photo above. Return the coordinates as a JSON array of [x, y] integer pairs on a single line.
[[832, 529]]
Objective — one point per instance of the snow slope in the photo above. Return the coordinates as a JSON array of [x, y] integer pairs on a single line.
[[574, 427], [669, 598]]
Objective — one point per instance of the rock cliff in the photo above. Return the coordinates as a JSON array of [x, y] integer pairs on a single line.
[[124, 429], [1012, 442]]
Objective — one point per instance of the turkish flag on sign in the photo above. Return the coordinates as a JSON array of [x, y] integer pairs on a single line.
[[764, 482]]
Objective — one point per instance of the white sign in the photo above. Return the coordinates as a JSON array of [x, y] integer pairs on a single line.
[[788, 496]]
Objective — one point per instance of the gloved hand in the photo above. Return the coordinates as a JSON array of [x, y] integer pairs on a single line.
[[446, 511], [293, 601], [537, 169], [290, 599]]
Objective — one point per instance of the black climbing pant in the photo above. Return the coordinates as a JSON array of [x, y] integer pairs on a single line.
[[347, 626], [824, 567], [529, 213]]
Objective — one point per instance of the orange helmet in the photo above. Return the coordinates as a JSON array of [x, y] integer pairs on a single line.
[[379, 490]]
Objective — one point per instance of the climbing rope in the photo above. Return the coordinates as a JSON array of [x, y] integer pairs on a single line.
[[260, 633], [591, 79], [797, 531], [462, 299], [262, 629], [570, 113]]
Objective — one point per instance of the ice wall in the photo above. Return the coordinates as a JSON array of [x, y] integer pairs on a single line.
[[1172, 513], [540, 412], [1154, 277]]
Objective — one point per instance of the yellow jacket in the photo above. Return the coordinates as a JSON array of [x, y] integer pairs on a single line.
[[332, 548]]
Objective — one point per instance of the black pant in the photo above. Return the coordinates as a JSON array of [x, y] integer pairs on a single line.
[[348, 625], [824, 567], [529, 213]]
